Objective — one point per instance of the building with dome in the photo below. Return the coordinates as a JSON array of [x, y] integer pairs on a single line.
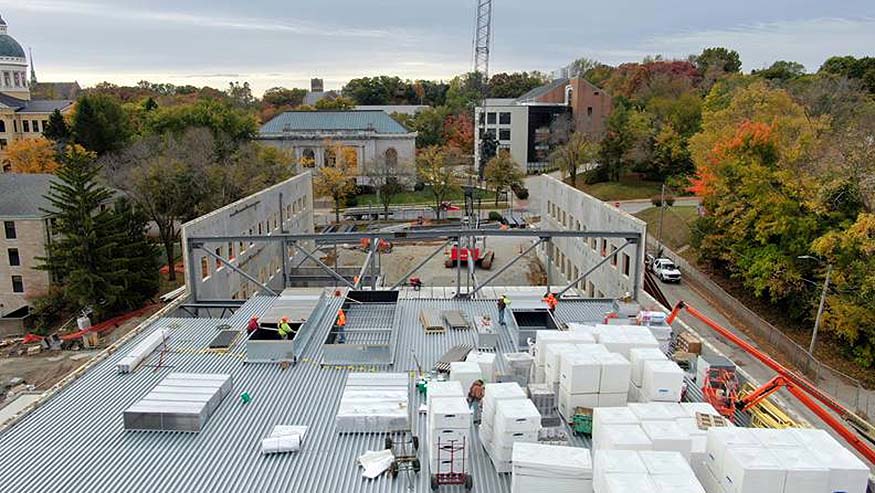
[[20, 116]]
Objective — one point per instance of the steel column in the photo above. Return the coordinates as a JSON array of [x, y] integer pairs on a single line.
[[238, 270], [324, 267], [505, 267], [365, 265], [636, 269], [549, 263], [593, 268], [424, 261], [192, 270]]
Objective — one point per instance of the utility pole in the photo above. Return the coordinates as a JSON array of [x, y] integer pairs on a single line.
[[661, 216], [820, 309]]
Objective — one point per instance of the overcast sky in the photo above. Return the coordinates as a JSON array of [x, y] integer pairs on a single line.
[[283, 42]]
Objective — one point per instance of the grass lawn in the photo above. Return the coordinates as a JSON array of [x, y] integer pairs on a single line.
[[423, 197], [629, 187], [675, 226]]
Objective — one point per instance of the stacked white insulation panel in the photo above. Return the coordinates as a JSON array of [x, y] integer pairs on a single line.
[[623, 338], [592, 379], [486, 361], [627, 471], [518, 367], [541, 468], [437, 389], [637, 358], [141, 351], [466, 373], [493, 393], [544, 338], [180, 402], [757, 460], [516, 420], [449, 435], [662, 381], [374, 403]]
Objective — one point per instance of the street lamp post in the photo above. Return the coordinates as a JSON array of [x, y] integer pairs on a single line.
[[822, 302]]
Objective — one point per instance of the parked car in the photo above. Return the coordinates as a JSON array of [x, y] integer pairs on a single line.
[[663, 268]]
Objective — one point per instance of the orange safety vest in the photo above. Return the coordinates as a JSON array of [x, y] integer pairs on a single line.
[[341, 318], [551, 300]]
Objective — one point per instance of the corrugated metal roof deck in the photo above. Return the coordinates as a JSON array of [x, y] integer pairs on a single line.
[[76, 442]]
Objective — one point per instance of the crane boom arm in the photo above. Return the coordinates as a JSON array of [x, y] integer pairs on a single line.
[[796, 384]]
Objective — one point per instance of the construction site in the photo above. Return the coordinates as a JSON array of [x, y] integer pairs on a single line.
[[275, 370]]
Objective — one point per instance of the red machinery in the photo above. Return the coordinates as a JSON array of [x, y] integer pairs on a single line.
[[383, 246], [721, 391], [801, 388], [481, 256]]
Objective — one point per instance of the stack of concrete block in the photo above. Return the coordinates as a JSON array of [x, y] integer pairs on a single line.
[[747, 460], [541, 468], [625, 471], [662, 381], [466, 373], [592, 379], [517, 367], [543, 338], [486, 361], [514, 421], [492, 395], [544, 398], [449, 435], [637, 357]]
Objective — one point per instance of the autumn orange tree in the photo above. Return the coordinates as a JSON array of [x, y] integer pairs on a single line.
[[32, 156]]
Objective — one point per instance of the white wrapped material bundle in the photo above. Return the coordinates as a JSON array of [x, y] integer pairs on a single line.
[[516, 415], [720, 440], [847, 473], [449, 412], [776, 438], [657, 411], [627, 483], [662, 381], [375, 462], [437, 389], [622, 339], [613, 399], [683, 484], [604, 416], [550, 469], [486, 361], [615, 374], [752, 470], [374, 402], [281, 444], [545, 337], [698, 438], [569, 402], [446, 436], [637, 357], [623, 437], [496, 392], [466, 373], [579, 373], [141, 351], [552, 354], [667, 436], [691, 408], [665, 463], [805, 473], [518, 366], [583, 327]]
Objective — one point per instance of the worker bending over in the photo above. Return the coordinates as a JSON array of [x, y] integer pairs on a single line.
[[285, 329], [475, 395], [551, 302], [253, 325]]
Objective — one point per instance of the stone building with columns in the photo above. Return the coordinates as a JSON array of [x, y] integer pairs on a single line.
[[311, 137], [20, 116]]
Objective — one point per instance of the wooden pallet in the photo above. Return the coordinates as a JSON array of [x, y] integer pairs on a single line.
[[455, 353], [705, 421], [432, 322], [455, 320]]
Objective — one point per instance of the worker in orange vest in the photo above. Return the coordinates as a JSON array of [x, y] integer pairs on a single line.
[[551, 302], [341, 318]]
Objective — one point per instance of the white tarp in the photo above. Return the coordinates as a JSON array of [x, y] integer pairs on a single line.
[[283, 438], [375, 463]]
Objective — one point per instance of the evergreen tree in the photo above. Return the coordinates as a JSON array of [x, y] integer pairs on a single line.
[[139, 255], [100, 124], [83, 259], [57, 129]]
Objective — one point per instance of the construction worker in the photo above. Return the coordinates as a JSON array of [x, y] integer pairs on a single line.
[[253, 325], [341, 318], [551, 302], [475, 395], [503, 303], [285, 330]]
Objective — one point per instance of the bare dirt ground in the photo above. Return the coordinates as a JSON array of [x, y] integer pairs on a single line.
[[48, 367], [524, 272]]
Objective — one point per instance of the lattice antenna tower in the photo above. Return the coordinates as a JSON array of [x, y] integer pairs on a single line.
[[482, 37]]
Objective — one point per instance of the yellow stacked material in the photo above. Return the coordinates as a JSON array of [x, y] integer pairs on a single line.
[[767, 414]]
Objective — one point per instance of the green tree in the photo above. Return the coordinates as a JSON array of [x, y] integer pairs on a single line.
[[781, 70], [230, 127], [465, 91], [514, 85], [382, 89], [339, 103], [436, 169], [86, 256], [100, 124], [579, 151], [334, 182], [139, 255], [240, 95], [57, 129], [280, 96], [503, 173], [720, 59], [625, 130]]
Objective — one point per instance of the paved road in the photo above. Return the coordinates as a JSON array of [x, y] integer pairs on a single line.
[[761, 373]]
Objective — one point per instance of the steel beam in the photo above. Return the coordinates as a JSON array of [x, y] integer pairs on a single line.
[[333, 273], [238, 270], [550, 248], [420, 265], [593, 268], [365, 266], [505, 267], [355, 237]]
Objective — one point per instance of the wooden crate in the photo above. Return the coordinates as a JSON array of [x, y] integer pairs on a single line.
[[431, 321], [689, 343]]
